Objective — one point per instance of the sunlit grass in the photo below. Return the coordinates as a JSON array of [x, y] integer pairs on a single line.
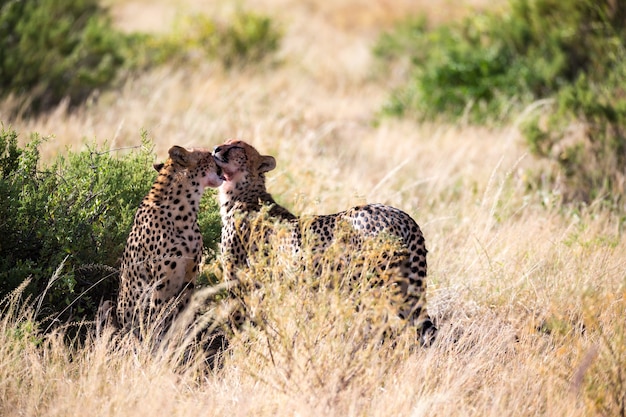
[[543, 335]]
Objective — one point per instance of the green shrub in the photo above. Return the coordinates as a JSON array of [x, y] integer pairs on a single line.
[[50, 50], [74, 216], [245, 38], [487, 61], [453, 69], [249, 38], [488, 67], [583, 133]]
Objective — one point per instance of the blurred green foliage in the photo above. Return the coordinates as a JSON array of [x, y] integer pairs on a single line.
[[71, 220], [246, 38], [54, 50], [491, 66], [51, 50]]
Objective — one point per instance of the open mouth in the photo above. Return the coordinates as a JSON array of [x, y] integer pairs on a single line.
[[221, 156]]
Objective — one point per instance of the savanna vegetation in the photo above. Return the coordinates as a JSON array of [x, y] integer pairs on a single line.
[[497, 125], [559, 63]]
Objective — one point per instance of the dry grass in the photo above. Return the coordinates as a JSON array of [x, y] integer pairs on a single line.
[[530, 296]]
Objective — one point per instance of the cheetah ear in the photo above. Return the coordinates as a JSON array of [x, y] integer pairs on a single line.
[[179, 155], [268, 163], [158, 167]]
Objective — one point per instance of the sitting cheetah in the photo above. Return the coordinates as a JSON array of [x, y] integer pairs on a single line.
[[161, 259], [243, 193]]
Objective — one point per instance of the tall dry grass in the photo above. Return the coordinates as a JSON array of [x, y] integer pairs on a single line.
[[530, 296]]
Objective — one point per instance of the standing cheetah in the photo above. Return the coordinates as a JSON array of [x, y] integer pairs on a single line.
[[162, 254], [244, 193]]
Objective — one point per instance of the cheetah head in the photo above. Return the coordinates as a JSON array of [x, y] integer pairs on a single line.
[[239, 161], [195, 162]]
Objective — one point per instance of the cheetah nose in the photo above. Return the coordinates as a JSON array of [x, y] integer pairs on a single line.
[[216, 150]]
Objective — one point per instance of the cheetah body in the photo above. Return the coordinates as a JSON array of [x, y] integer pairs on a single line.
[[161, 259], [243, 195]]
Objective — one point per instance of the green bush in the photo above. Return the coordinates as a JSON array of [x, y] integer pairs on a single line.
[[50, 50], [249, 38], [583, 134], [481, 65], [74, 216], [453, 69], [54, 50], [489, 66], [245, 38]]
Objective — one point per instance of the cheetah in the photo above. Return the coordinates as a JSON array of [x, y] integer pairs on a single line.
[[244, 194], [160, 262]]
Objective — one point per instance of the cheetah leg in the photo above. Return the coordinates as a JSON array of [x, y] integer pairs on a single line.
[[106, 317]]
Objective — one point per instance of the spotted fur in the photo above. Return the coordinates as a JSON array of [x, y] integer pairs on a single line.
[[162, 255], [244, 193]]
